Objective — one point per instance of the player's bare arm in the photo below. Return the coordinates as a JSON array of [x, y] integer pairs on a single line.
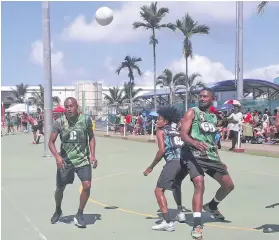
[[92, 144], [160, 153], [52, 148]]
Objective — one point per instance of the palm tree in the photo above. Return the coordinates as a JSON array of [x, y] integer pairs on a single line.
[[131, 64], [19, 93], [262, 6], [189, 28], [152, 17], [192, 83], [38, 97], [115, 96], [167, 79], [129, 90]]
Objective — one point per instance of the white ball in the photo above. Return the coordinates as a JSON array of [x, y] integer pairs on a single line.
[[104, 16]]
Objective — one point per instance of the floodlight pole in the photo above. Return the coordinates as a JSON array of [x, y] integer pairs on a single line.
[[47, 77], [240, 51]]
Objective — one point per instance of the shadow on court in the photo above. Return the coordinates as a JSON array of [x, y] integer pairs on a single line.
[[207, 218], [272, 205], [90, 219], [269, 228]]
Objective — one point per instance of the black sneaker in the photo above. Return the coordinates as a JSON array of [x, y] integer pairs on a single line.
[[55, 217], [79, 221]]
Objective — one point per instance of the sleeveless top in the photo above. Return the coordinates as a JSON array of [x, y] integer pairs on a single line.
[[204, 129], [173, 143], [75, 141]]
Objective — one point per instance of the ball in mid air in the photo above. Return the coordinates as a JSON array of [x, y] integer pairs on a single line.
[[104, 16]]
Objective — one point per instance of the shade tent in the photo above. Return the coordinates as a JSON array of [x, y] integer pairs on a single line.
[[21, 107]]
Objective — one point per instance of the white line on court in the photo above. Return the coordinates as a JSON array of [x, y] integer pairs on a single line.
[[16, 207]]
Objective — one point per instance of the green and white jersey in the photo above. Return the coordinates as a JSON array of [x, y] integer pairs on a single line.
[[204, 129], [74, 139]]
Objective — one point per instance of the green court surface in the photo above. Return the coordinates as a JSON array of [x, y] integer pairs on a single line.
[[122, 203]]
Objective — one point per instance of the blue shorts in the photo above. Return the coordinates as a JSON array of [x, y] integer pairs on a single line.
[[217, 137]]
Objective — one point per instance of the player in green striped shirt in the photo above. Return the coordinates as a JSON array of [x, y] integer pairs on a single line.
[[199, 128], [77, 152]]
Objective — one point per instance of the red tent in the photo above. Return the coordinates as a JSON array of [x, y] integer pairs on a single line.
[[59, 109]]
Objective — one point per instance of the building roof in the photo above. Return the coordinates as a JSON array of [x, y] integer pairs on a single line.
[[228, 85]]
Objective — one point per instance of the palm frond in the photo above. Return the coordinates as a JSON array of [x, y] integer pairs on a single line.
[[262, 6], [137, 25]]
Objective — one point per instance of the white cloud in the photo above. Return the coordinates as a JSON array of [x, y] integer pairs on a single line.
[[120, 30], [57, 57], [109, 65], [210, 71], [266, 73]]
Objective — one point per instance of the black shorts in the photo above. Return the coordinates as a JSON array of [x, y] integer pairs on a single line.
[[67, 175], [35, 128], [172, 175], [198, 167]]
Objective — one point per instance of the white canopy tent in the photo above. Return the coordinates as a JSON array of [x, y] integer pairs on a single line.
[[21, 107]]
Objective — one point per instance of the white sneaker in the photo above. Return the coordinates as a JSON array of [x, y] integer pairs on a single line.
[[164, 226], [181, 217]]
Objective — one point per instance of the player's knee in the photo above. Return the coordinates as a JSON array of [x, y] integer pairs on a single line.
[[86, 186], [60, 188], [199, 182], [158, 191], [230, 186]]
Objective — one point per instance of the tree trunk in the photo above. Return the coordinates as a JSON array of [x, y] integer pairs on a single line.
[[131, 99], [171, 101], [186, 76], [154, 64]]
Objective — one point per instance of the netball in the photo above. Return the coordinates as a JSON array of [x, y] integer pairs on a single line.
[[104, 16]]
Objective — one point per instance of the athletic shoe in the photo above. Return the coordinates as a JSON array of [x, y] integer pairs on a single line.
[[79, 221], [197, 233], [216, 213], [181, 217], [55, 217], [164, 226]]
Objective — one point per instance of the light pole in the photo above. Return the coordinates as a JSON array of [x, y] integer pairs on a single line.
[[47, 77], [240, 51]]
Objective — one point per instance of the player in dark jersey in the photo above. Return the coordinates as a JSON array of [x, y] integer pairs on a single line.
[[76, 155], [199, 127], [40, 120], [172, 175]]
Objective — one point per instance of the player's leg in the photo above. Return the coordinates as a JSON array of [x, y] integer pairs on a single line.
[[220, 174], [63, 177], [85, 175], [197, 176], [180, 176], [166, 181]]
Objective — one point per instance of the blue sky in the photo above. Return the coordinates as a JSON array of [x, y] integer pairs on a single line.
[[84, 51]]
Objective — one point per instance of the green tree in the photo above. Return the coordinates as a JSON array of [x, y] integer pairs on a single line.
[[129, 90], [19, 93], [192, 84], [115, 96], [168, 79], [152, 17], [262, 6], [188, 27], [38, 98], [131, 63]]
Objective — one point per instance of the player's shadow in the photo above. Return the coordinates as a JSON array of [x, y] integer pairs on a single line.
[[206, 217], [111, 207], [88, 218], [269, 228], [272, 205]]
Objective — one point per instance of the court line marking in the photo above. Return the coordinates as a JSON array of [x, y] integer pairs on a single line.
[[261, 173], [153, 216], [16, 207]]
